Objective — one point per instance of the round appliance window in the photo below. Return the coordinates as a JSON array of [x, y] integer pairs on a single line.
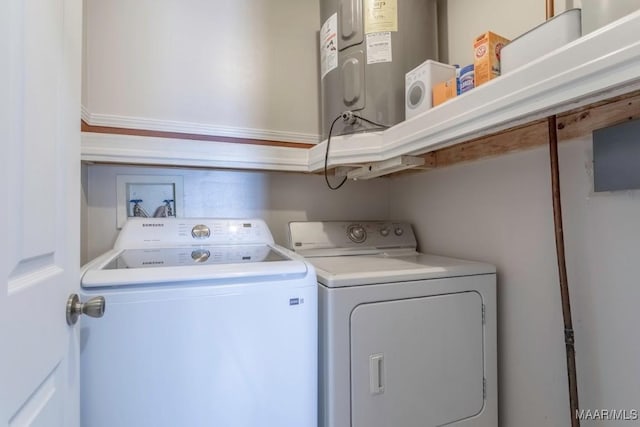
[[416, 94]]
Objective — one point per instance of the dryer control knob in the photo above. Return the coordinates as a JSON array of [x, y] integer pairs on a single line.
[[398, 231], [357, 233], [200, 231], [385, 231]]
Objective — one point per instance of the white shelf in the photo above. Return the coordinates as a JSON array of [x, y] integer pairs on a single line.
[[600, 65], [142, 150]]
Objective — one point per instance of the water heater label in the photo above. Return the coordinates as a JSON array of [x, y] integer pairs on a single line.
[[378, 47], [329, 45], [380, 15]]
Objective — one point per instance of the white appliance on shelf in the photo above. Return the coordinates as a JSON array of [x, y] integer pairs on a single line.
[[207, 323], [419, 84], [405, 339]]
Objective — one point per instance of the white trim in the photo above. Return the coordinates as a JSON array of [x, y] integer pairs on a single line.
[[85, 115], [127, 122], [600, 65], [365, 147], [110, 148]]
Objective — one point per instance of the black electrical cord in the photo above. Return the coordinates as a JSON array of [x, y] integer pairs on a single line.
[[326, 157], [343, 116], [371, 122]]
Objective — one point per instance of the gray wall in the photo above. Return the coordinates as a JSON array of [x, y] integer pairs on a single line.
[[500, 211], [496, 210], [273, 196]]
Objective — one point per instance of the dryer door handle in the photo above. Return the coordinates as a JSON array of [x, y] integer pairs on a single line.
[[376, 373]]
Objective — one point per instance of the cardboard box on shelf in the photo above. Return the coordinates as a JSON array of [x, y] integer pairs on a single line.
[[444, 91], [486, 63]]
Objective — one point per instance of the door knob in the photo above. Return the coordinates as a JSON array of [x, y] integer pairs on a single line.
[[92, 308]]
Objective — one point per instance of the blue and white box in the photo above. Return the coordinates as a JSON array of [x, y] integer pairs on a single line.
[[465, 79]]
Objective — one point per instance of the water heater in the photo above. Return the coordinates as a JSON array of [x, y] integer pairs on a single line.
[[366, 48]]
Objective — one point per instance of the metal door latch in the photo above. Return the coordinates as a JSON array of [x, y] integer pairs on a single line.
[[92, 308]]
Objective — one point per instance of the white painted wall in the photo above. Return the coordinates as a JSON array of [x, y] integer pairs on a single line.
[[500, 211], [249, 65], [275, 197], [467, 19], [246, 68], [597, 13], [602, 232], [495, 210]]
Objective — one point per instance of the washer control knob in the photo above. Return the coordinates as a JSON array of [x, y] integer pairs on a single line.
[[357, 233], [200, 255], [398, 231], [385, 231], [200, 231]]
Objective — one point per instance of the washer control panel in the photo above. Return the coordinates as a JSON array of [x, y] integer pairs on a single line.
[[169, 232], [200, 231], [308, 235]]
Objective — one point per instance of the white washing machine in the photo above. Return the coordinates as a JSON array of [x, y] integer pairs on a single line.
[[405, 339], [207, 323]]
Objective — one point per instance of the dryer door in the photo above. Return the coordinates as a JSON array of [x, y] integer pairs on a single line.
[[417, 362]]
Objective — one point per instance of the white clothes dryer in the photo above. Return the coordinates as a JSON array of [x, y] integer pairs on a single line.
[[207, 323], [405, 339]]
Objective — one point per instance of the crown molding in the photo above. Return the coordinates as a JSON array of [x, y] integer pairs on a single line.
[[205, 129]]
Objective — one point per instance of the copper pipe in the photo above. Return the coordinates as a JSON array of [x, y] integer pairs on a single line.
[[562, 271], [550, 9]]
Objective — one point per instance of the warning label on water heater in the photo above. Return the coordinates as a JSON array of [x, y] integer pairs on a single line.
[[380, 15], [329, 45], [378, 47]]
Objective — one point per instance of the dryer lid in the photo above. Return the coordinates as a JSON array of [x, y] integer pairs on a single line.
[[340, 271]]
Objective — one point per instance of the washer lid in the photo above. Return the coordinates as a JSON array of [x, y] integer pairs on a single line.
[[339, 271], [225, 264], [192, 256]]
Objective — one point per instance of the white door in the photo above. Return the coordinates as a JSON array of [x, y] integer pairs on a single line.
[[40, 47], [417, 362]]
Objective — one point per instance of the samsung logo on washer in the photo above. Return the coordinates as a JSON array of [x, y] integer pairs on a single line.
[[152, 225]]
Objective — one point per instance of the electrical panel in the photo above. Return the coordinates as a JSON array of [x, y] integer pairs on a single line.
[[616, 156]]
